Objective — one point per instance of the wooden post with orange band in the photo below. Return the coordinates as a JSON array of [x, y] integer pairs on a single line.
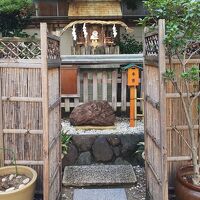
[[133, 82]]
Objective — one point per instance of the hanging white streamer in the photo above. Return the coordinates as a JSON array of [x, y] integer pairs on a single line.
[[114, 31], [74, 33], [85, 31]]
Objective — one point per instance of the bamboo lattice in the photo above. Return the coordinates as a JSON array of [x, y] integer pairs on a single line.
[[20, 48]]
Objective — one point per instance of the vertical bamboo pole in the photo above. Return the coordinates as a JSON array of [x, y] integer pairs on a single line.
[[1, 128], [44, 46], [162, 68]]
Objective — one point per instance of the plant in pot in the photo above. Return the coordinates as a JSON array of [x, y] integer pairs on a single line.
[[182, 42], [17, 182]]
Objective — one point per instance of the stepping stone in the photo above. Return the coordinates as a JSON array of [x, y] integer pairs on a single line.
[[98, 175], [99, 194]]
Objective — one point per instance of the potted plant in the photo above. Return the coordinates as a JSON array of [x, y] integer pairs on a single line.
[[17, 182], [182, 41]]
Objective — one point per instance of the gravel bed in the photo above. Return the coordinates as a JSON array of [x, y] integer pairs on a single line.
[[121, 127], [137, 192]]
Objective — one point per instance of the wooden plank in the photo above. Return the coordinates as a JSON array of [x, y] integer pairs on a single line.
[[95, 127], [95, 91], [177, 95], [104, 85], [162, 69], [25, 162], [28, 63], [1, 127], [22, 99], [182, 127], [45, 103], [67, 105], [123, 91], [114, 89], [23, 131], [85, 87], [179, 158]]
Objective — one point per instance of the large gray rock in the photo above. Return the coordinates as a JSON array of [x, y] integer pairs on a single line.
[[102, 150], [83, 143], [71, 156], [84, 158], [97, 113], [98, 175]]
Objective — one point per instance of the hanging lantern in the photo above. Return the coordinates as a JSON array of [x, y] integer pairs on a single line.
[[85, 33], [114, 31], [74, 33]]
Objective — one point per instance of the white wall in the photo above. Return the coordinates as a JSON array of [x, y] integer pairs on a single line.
[[138, 32], [66, 42]]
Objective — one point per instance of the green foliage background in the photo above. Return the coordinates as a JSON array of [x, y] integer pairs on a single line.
[[14, 16]]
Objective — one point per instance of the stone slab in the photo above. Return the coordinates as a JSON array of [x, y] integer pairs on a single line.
[[99, 194], [98, 175]]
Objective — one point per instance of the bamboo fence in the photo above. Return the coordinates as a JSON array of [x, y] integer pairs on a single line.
[[165, 150], [30, 107]]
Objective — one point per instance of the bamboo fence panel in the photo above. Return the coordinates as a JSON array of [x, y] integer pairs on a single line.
[[30, 108], [161, 118], [155, 143]]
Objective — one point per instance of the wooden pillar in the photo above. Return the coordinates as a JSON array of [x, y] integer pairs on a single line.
[[44, 46], [1, 129]]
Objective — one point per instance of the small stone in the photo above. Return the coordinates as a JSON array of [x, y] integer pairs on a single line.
[[11, 177], [10, 189], [25, 181], [18, 177], [21, 186], [114, 140], [4, 179]]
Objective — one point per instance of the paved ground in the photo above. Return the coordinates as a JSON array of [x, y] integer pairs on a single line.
[[134, 192]]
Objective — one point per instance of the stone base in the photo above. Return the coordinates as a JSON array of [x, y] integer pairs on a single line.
[[98, 175]]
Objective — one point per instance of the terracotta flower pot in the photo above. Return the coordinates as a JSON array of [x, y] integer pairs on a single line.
[[183, 189], [25, 193]]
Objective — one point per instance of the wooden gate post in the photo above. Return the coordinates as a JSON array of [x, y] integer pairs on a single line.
[[1, 128]]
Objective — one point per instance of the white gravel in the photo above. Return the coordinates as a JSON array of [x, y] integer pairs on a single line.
[[121, 127]]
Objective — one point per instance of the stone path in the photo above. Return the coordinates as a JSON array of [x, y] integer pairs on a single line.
[[99, 194], [132, 192], [98, 175]]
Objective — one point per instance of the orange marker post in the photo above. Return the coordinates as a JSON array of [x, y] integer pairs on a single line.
[[133, 81]]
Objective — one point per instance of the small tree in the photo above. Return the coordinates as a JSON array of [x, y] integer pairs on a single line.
[[14, 16], [129, 45], [183, 42]]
